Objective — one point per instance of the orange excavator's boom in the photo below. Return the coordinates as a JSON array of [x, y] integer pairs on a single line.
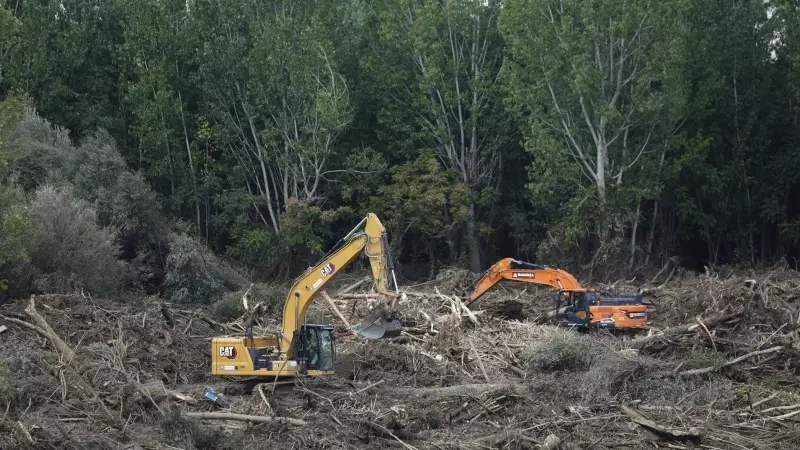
[[514, 270]]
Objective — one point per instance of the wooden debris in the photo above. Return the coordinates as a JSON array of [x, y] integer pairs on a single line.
[[384, 432], [27, 325], [731, 362], [480, 362], [449, 381], [156, 392], [63, 349], [335, 309], [497, 440], [244, 418], [353, 286], [25, 432], [686, 329], [635, 416], [167, 315]]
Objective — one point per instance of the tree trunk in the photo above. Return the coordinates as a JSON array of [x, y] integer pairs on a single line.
[[268, 196], [634, 229], [651, 234], [191, 168], [600, 177], [472, 241]]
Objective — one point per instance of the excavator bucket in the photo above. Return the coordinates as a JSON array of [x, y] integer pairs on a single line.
[[378, 325]]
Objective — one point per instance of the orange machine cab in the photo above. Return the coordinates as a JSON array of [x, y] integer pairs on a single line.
[[625, 311]]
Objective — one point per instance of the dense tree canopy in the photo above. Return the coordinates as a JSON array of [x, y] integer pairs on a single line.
[[601, 136]]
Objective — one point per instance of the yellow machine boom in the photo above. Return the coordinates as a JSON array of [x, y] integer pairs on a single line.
[[300, 347]]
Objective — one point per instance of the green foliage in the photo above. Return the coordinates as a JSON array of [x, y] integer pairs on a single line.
[[231, 306], [11, 111], [122, 198], [560, 350], [565, 77], [424, 208], [445, 97], [44, 152], [16, 229], [305, 229], [195, 275], [71, 251], [475, 130], [9, 39]]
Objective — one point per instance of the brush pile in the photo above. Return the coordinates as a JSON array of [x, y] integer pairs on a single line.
[[718, 369]]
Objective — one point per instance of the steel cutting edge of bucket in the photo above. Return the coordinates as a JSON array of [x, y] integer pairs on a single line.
[[378, 326]]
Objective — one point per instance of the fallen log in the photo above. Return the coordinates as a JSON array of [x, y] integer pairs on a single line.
[[156, 392], [710, 369], [480, 361], [549, 315], [352, 287], [357, 296], [688, 328], [24, 324], [63, 349], [635, 416], [335, 309], [244, 418], [462, 390]]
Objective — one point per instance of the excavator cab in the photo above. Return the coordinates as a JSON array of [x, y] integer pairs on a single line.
[[577, 307], [315, 349]]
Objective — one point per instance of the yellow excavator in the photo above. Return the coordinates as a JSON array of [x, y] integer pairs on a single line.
[[308, 349]]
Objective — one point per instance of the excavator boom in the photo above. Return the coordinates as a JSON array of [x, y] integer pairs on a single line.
[[372, 241], [511, 269]]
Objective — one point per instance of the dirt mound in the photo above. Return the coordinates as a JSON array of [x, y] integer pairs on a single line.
[[718, 369]]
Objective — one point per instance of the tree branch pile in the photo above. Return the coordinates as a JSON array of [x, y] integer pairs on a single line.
[[714, 370]]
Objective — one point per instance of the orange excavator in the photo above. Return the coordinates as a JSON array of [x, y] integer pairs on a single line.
[[583, 308]]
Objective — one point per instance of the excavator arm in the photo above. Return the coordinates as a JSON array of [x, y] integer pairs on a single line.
[[514, 270], [372, 240]]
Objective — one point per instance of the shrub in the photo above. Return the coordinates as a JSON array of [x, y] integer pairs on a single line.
[[562, 350], [21, 380], [70, 249], [230, 307], [12, 109], [16, 229], [195, 275], [44, 151], [121, 198]]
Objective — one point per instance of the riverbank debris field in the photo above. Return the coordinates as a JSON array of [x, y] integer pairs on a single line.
[[716, 369]]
